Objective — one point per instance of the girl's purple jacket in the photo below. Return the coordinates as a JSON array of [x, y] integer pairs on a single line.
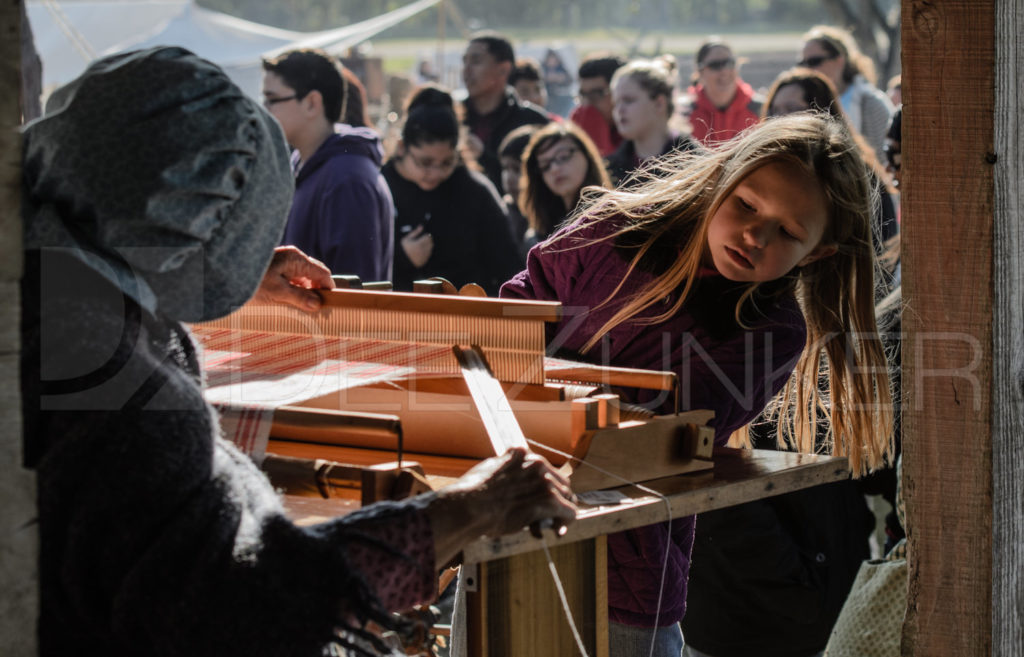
[[721, 367]]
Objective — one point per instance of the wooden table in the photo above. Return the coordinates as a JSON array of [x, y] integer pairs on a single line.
[[513, 606]]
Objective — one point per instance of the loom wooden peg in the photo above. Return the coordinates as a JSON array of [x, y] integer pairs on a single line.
[[610, 409], [472, 290], [347, 282], [428, 286]]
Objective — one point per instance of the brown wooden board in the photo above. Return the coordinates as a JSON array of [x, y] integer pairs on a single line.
[[524, 615], [947, 210], [738, 476]]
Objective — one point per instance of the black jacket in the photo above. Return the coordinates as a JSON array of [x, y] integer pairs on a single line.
[[511, 114], [623, 161], [469, 224], [769, 577]]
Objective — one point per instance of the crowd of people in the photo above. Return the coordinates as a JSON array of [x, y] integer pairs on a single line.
[[664, 214]]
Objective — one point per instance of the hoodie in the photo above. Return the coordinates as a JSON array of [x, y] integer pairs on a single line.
[[712, 124], [343, 214]]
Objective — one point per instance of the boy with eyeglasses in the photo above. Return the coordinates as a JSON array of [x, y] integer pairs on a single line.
[[342, 213], [594, 112]]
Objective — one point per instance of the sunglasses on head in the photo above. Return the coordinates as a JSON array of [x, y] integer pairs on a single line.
[[719, 64], [816, 61]]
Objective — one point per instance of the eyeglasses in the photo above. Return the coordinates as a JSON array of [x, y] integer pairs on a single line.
[[893, 155], [594, 95], [816, 61], [427, 165], [719, 64], [559, 158], [268, 101]]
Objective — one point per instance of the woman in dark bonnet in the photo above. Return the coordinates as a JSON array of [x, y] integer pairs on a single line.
[[154, 193]]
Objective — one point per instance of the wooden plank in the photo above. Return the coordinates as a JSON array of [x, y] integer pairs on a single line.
[[1008, 337], [947, 200], [19, 544], [548, 311], [738, 476], [524, 612]]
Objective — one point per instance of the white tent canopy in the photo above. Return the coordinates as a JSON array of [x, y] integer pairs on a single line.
[[68, 35]]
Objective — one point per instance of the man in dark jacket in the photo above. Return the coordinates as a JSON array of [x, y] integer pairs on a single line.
[[492, 108], [342, 213]]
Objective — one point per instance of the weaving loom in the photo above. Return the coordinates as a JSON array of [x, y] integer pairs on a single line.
[[335, 398], [344, 384]]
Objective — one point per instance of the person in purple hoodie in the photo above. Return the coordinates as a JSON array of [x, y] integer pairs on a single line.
[[342, 213], [734, 268]]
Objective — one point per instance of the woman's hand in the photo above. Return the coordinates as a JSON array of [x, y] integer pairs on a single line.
[[418, 246], [499, 496], [291, 278]]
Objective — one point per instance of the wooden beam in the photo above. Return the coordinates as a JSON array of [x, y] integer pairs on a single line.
[[948, 163], [18, 536], [1008, 337]]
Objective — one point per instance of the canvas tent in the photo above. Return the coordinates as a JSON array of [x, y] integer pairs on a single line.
[[68, 35]]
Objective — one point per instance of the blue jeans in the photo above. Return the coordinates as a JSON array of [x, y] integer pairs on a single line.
[[632, 641]]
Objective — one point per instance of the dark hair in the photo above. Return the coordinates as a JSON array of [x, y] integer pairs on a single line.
[[526, 68], [542, 207], [430, 117], [837, 41], [356, 110], [313, 70], [818, 91], [702, 54], [497, 45], [706, 46], [515, 142], [600, 65]]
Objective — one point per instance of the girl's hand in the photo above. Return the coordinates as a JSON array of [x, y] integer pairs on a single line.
[[418, 246]]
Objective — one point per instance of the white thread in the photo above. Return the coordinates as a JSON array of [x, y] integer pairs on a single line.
[[561, 596], [668, 542]]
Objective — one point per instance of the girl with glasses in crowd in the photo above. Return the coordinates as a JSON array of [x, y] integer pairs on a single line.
[[558, 163], [743, 269], [833, 52], [450, 221], [723, 104], [643, 105]]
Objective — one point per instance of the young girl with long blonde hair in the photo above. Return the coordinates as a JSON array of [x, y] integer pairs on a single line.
[[745, 270]]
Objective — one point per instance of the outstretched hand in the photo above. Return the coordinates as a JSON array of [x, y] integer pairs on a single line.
[[292, 278], [500, 496]]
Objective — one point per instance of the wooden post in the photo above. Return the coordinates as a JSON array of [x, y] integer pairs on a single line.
[[1008, 336], [18, 536], [962, 324]]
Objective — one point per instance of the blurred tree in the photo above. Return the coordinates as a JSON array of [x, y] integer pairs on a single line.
[[876, 26]]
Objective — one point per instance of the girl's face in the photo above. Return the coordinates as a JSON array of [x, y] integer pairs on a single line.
[[718, 70], [636, 113], [772, 222], [563, 167], [788, 99], [428, 165]]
